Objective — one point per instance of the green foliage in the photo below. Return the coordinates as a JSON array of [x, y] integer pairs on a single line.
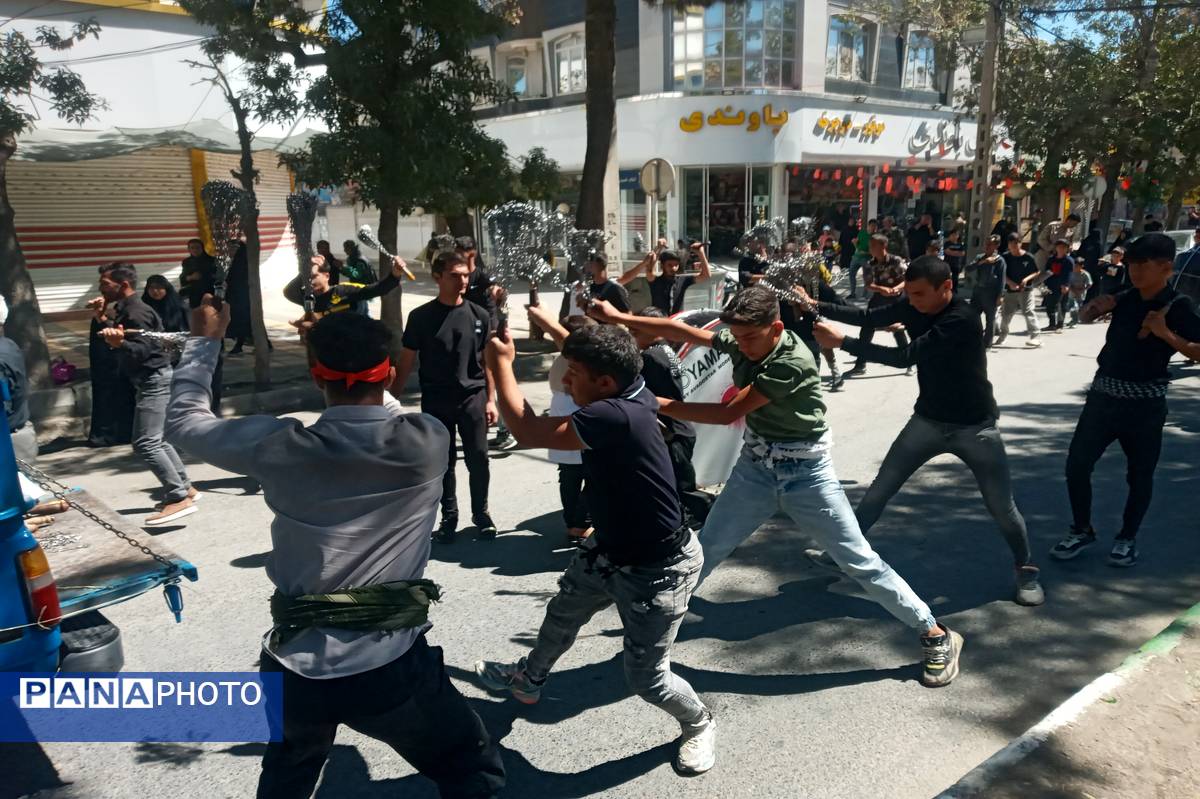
[[397, 92], [23, 75], [539, 178]]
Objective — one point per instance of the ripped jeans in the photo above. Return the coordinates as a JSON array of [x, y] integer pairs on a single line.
[[650, 600]]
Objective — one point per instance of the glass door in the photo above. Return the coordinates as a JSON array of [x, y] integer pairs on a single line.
[[695, 205], [728, 209]]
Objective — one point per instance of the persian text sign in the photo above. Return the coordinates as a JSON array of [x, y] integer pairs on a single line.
[[141, 706]]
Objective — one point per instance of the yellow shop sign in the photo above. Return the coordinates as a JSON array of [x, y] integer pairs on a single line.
[[839, 127], [726, 117]]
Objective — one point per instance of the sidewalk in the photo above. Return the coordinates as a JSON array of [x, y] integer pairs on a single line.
[[1137, 738]]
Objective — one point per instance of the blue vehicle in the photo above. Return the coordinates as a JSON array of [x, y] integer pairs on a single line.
[[51, 590]]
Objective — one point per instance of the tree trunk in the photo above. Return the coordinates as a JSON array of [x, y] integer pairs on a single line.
[[24, 325], [391, 308], [600, 47], [1112, 173], [248, 176]]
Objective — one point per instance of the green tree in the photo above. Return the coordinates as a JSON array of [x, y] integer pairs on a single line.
[[397, 94], [539, 177], [23, 76], [262, 106]]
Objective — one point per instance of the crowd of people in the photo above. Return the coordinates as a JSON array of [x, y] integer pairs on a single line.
[[622, 435]]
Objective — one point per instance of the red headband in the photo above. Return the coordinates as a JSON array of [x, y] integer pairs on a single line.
[[376, 374]]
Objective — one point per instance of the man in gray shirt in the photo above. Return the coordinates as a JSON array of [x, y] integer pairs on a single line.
[[355, 496]]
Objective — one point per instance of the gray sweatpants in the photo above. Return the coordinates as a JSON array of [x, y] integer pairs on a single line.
[[1019, 301], [149, 417], [979, 446], [650, 600]]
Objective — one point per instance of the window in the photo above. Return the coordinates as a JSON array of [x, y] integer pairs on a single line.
[[919, 71], [850, 49], [735, 45], [569, 65], [514, 75]]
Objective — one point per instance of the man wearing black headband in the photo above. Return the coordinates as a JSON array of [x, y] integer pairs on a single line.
[[357, 493]]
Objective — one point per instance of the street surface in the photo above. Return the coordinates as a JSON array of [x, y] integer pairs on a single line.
[[815, 690]]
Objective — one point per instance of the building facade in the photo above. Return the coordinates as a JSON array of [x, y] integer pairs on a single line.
[[765, 108]]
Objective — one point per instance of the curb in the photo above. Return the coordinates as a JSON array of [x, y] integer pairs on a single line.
[[976, 781]]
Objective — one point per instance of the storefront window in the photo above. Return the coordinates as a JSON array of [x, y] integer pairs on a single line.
[[850, 50], [829, 195], [569, 65], [735, 45], [919, 72], [514, 75]]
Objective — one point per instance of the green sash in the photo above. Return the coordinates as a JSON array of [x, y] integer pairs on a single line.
[[401, 605]]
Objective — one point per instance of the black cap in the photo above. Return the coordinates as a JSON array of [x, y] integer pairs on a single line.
[[1151, 247], [464, 243], [668, 255]]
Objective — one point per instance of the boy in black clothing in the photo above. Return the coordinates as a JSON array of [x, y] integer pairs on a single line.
[[663, 375], [955, 411], [641, 558], [1020, 271], [1127, 402], [345, 296], [985, 275], [450, 333], [1059, 267]]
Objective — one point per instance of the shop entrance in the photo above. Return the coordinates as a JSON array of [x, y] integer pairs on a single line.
[[721, 202]]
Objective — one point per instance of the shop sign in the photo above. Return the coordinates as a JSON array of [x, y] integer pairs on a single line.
[[836, 128], [629, 180], [945, 139], [725, 117]]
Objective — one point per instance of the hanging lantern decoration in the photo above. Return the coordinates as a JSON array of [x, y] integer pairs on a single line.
[[816, 174], [887, 168], [891, 184], [837, 174], [860, 171], [1126, 183], [849, 179]]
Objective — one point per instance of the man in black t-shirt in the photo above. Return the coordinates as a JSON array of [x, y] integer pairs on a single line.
[[1127, 401], [667, 288], [1020, 270], [1057, 275], [883, 279], [601, 288], [640, 558], [449, 333], [955, 411], [664, 377], [919, 236]]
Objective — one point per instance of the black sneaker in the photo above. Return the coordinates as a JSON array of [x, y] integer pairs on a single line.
[[1124, 553], [836, 383], [503, 441], [941, 658], [1049, 329], [1075, 542], [1029, 589], [487, 528], [445, 533], [857, 369]]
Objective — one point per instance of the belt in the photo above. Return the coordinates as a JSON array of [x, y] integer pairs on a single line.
[[770, 453]]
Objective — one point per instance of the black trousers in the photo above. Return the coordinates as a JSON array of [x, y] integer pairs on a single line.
[[1056, 307], [573, 495], [409, 704], [867, 333], [466, 415], [1137, 426], [987, 303]]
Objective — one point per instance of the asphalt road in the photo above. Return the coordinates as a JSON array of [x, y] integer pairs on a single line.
[[815, 690]]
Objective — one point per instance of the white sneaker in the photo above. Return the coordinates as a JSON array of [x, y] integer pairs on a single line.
[[1033, 342], [697, 747]]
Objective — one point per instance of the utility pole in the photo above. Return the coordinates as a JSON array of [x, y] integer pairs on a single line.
[[980, 209]]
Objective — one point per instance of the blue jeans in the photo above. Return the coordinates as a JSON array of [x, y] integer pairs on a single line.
[[809, 492]]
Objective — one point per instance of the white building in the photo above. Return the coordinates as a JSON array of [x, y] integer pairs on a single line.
[[766, 108], [125, 185]]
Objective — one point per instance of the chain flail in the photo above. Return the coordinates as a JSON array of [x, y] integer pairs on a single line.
[[60, 491]]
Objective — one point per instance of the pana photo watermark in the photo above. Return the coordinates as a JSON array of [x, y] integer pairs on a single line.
[[163, 706]]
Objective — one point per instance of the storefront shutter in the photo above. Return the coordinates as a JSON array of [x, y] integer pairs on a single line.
[[73, 216]]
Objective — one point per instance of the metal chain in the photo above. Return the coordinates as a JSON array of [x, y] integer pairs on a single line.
[[60, 491]]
